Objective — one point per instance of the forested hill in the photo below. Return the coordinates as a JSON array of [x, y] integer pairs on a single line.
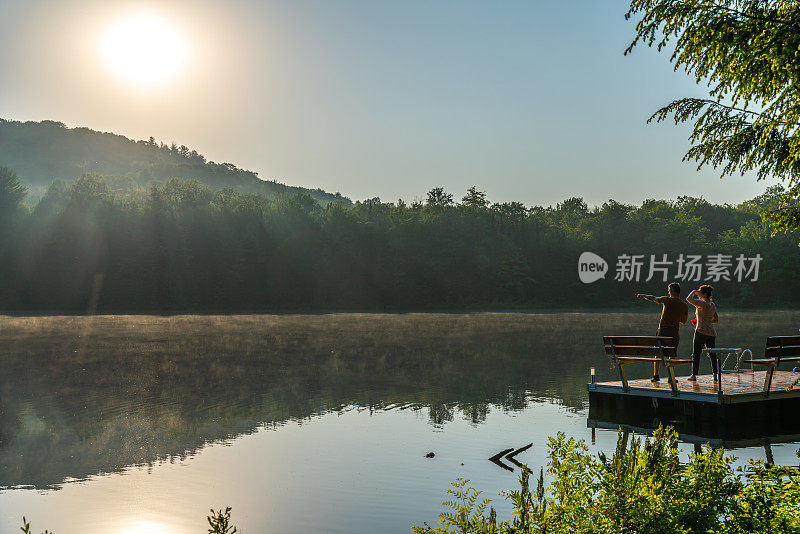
[[41, 152]]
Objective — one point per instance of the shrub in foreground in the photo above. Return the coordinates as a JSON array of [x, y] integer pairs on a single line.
[[641, 488]]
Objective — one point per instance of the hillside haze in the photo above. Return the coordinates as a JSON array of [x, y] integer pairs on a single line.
[[40, 152]]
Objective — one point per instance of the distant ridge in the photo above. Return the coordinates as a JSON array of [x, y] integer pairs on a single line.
[[40, 152]]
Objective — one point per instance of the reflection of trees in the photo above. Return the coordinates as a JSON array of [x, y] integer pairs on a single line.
[[80, 396]]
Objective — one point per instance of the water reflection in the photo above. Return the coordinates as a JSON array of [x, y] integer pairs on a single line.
[[85, 396], [143, 527]]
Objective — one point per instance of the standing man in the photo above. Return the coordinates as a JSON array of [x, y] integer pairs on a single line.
[[673, 312]]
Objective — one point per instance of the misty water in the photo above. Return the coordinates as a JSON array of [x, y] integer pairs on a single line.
[[133, 425]]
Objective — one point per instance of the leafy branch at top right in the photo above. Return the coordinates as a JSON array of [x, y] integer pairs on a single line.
[[748, 54]]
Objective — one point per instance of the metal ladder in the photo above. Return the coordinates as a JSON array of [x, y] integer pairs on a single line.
[[738, 369]]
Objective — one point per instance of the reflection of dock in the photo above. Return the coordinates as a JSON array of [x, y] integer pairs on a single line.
[[716, 442], [739, 415]]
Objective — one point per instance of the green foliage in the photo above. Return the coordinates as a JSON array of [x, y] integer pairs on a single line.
[[11, 192], [768, 503], [185, 247], [746, 52], [437, 197], [466, 513], [642, 488], [219, 522], [26, 527], [89, 189], [475, 198]]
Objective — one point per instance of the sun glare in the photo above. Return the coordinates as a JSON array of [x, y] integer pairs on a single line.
[[144, 50], [144, 527]]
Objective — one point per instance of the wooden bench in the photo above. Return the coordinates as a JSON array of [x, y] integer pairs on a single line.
[[778, 349], [625, 349]]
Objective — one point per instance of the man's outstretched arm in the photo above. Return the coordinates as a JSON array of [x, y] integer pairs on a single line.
[[651, 298]]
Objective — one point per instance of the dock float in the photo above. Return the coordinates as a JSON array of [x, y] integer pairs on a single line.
[[743, 410]]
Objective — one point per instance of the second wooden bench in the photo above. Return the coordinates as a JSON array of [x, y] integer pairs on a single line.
[[625, 349]]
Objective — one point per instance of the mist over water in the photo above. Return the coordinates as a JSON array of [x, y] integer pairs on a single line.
[[300, 423]]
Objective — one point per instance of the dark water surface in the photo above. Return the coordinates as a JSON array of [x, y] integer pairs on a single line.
[[134, 425]]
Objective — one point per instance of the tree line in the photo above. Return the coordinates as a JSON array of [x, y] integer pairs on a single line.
[[183, 247]]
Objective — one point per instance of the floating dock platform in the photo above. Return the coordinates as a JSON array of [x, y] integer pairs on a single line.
[[737, 387], [740, 410]]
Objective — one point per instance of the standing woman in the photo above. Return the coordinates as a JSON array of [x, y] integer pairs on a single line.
[[704, 334]]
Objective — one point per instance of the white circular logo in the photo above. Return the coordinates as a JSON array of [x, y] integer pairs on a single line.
[[591, 267]]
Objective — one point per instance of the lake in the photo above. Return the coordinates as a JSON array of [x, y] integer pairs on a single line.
[[317, 423]]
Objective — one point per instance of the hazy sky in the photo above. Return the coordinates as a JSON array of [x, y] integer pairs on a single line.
[[529, 100]]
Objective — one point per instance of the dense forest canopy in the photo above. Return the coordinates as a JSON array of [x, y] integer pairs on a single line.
[[184, 247], [40, 152]]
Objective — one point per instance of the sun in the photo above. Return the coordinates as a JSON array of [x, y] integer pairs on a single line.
[[144, 50]]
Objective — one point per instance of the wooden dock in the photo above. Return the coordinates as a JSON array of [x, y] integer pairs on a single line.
[[741, 411], [737, 387]]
